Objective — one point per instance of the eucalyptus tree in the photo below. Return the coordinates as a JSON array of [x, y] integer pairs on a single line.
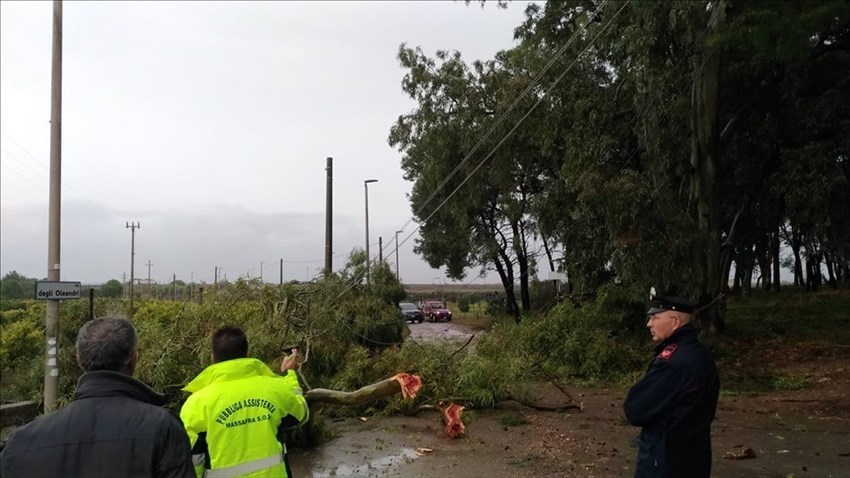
[[470, 196], [671, 140]]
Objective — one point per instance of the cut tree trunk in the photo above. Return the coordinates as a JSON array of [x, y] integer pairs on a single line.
[[403, 383]]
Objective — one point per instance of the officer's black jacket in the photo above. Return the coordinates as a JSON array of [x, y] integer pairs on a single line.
[[674, 404]]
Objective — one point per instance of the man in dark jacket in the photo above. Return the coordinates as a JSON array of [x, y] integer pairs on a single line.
[[115, 426], [675, 402]]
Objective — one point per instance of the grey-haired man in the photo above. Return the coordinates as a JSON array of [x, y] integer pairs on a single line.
[[115, 426]]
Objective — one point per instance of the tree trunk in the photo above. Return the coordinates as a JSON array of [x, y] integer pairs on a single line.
[[762, 257], [736, 282], [833, 284], [704, 162], [813, 280], [522, 261], [369, 393], [506, 274], [776, 264], [794, 241], [747, 284], [726, 259]]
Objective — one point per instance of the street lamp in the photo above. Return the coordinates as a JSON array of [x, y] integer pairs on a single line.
[[397, 273], [368, 259]]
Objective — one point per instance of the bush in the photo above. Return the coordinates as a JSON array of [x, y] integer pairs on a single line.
[[463, 303]]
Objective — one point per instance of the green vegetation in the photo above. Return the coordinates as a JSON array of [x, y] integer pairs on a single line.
[[16, 286], [668, 141], [766, 330], [352, 338]]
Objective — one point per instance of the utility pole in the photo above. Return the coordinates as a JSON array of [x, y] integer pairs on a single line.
[[380, 249], [397, 273], [51, 370], [281, 272], [149, 277], [215, 278], [192, 289], [132, 226], [261, 272], [173, 287], [368, 259], [329, 218]]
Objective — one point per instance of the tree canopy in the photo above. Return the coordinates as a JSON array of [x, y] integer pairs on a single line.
[[639, 143]]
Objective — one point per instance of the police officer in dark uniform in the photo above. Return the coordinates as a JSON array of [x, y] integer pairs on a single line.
[[675, 402]]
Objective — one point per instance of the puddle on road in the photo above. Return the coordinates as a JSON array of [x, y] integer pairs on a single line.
[[372, 468], [437, 332]]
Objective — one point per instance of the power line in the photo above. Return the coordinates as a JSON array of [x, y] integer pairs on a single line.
[[504, 115], [39, 186], [516, 126], [521, 120]]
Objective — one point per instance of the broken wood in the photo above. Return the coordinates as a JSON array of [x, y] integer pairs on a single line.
[[451, 417], [406, 384]]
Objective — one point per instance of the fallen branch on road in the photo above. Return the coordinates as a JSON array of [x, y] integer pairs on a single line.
[[406, 384]]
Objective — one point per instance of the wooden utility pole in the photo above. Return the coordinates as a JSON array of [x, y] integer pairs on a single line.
[[328, 218], [380, 249], [51, 370], [281, 272]]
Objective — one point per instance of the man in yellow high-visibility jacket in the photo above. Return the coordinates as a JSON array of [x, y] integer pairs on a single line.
[[237, 407]]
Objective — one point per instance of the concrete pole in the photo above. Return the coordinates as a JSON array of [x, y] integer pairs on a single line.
[[368, 258], [132, 226], [51, 370], [329, 217], [149, 264], [397, 273]]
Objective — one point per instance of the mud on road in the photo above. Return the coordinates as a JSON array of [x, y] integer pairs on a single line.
[[440, 332], [792, 433]]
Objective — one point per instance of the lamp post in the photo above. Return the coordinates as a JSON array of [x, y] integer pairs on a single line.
[[397, 272], [368, 259]]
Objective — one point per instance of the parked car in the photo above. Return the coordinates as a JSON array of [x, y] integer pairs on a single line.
[[435, 310], [411, 312]]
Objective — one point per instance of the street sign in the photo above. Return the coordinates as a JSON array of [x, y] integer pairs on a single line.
[[47, 290], [558, 276]]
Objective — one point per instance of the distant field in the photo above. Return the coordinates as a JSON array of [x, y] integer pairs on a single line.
[[423, 288]]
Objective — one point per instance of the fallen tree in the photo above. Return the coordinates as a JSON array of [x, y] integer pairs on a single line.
[[406, 384]]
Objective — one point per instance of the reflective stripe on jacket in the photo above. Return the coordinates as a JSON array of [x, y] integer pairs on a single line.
[[234, 413]]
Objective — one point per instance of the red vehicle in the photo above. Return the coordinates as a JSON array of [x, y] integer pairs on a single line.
[[435, 309]]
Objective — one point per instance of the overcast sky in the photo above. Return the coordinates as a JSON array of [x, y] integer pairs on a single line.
[[209, 123]]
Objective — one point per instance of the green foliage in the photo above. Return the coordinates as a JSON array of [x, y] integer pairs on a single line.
[[622, 170], [386, 285], [463, 304], [17, 286], [113, 289]]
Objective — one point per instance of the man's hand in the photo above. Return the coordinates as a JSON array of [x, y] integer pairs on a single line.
[[289, 362]]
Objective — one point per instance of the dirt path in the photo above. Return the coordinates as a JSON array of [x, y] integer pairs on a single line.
[[796, 433], [791, 436]]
